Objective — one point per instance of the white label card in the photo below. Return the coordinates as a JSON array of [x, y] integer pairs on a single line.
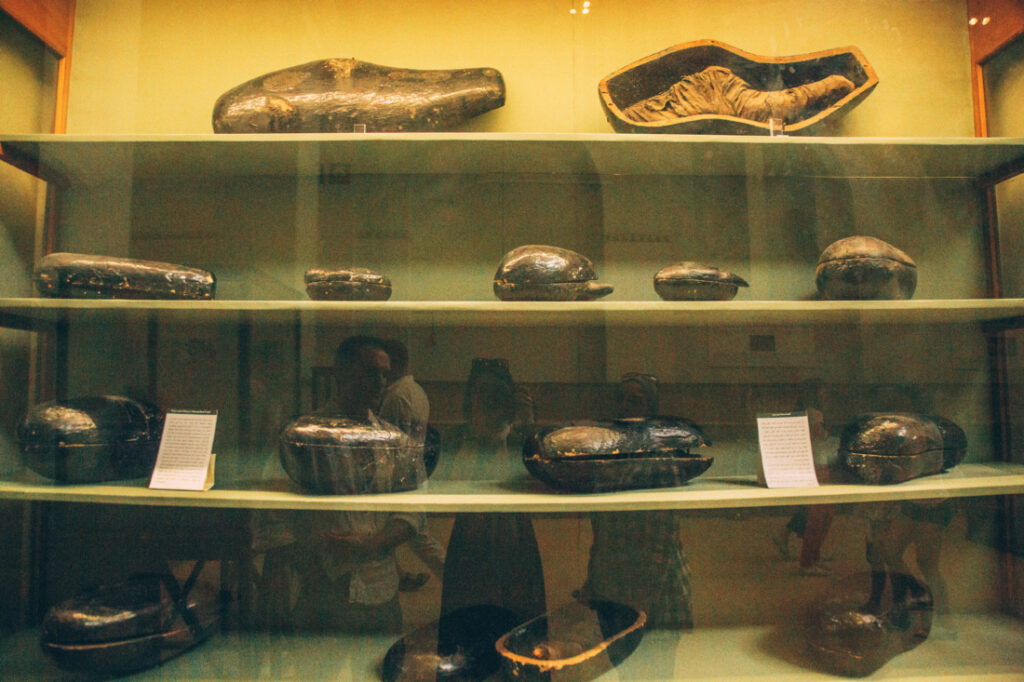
[[786, 452], [185, 459]]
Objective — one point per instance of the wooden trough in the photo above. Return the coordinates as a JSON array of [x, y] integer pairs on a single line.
[[657, 73]]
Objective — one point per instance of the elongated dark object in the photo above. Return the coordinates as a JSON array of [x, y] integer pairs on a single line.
[[623, 454], [79, 275], [334, 95]]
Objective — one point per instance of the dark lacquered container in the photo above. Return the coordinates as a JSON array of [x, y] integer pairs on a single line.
[[335, 95], [846, 637], [459, 647], [76, 275], [622, 454], [129, 626], [537, 272], [347, 284], [91, 439], [865, 268], [895, 447], [579, 642], [342, 456], [689, 281]]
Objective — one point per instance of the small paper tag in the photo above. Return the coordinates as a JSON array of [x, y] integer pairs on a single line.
[[786, 453], [185, 460]]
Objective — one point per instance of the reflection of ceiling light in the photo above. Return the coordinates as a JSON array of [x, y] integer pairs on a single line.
[[973, 20], [586, 10], [984, 22], [573, 11], [586, 3]]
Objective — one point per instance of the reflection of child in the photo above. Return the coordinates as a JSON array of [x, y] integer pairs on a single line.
[[491, 558], [637, 557]]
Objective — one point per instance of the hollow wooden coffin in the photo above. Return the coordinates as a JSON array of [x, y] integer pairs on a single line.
[[623, 454], [91, 439], [579, 641], [77, 275], [882, 448], [129, 626], [459, 647], [538, 272], [688, 281], [657, 73], [343, 456], [335, 95]]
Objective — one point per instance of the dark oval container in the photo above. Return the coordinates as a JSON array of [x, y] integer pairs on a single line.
[[688, 281], [459, 647], [537, 272], [882, 448], [77, 275], [845, 638], [343, 456], [347, 284], [623, 454], [865, 268], [91, 439], [579, 641], [335, 95], [129, 626]]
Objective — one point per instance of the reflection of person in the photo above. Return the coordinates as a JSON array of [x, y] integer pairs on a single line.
[[498, 415], [491, 558], [337, 569], [895, 526], [637, 558], [811, 524], [405, 405]]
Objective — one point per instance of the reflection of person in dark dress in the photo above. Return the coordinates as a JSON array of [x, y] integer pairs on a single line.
[[637, 557], [491, 558]]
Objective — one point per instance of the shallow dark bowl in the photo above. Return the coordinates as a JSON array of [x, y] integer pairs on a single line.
[[579, 641], [655, 74], [459, 647]]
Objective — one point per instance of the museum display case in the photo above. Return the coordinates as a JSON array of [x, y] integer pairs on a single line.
[[324, 547]]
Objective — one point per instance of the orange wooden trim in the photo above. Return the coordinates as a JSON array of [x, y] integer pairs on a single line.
[[49, 21], [980, 100]]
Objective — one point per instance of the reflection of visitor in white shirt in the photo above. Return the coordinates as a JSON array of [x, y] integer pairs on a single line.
[[337, 570]]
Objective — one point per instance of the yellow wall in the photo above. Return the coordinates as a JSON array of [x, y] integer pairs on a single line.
[[154, 66]]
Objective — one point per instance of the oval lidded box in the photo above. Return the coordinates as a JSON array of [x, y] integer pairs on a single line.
[[91, 439], [347, 284], [537, 272], [623, 454], [128, 626], [891, 447], [865, 268], [343, 456], [689, 281]]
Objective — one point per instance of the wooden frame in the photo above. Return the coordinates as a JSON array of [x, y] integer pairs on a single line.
[[53, 23]]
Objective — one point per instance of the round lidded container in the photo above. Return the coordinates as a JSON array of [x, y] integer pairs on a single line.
[[536, 272], [865, 268], [347, 284], [689, 281]]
